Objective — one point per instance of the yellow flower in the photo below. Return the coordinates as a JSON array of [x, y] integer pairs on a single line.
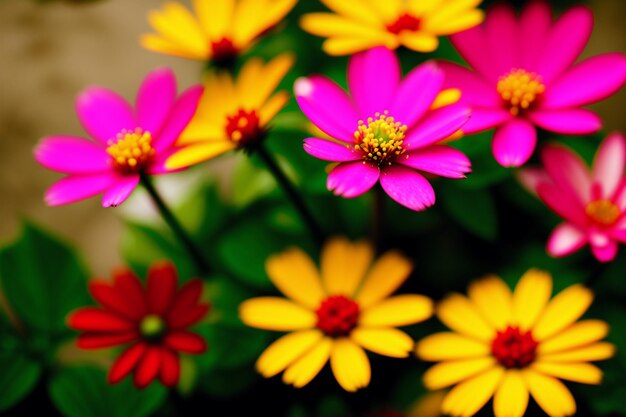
[[335, 313], [219, 31], [233, 113], [511, 345], [357, 25]]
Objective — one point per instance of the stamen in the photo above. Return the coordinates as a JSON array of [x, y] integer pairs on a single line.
[[224, 51], [337, 316], [131, 150], [514, 348], [380, 139], [244, 127], [520, 89], [404, 22], [152, 327], [603, 212]]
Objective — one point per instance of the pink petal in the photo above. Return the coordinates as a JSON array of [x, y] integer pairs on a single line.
[[605, 253], [530, 178], [475, 90], [619, 234], [155, 99], [351, 179], [565, 240], [103, 113], [562, 203], [471, 45], [407, 187], [567, 121], [416, 94], [330, 151], [72, 155], [75, 188], [568, 172], [620, 197], [181, 114], [535, 25], [484, 119], [439, 160], [609, 164], [120, 191], [373, 77], [502, 33], [158, 164], [437, 125], [567, 40], [514, 143], [327, 106]]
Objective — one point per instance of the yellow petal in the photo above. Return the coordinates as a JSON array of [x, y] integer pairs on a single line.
[[446, 346], [162, 45], [562, 311], [388, 10], [304, 369], [429, 405], [585, 373], [467, 398], [350, 365], [492, 298], [179, 26], [446, 97], [448, 373], [401, 310], [460, 315], [449, 10], [258, 83], [419, 41], [274, 313], [286, 350], [328, 24], [511, 398], [355, 10], [530, 297], [295, 275], [344, 265], [194, 154], [272, 107], [454, 24], [594, 352], [550, 393], [252, 17], [385, 276], [339, 46], [578, 335], [387, 342], [215, 17], [419, 8]]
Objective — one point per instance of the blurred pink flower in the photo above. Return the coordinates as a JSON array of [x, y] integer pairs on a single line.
[[386, 128], [127, 142], [592, 202], [524, 76]]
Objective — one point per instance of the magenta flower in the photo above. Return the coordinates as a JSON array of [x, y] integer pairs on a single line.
[[385, 128], [127, 142], [524, 76], [592, 202]]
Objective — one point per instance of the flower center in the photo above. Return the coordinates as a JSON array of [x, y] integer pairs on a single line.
[[380, 139], [131, 149], [513, 348], [337, 315], [604, 212], [224, 51], [519, 89], [404, 22], [244, 127], [152, 327]]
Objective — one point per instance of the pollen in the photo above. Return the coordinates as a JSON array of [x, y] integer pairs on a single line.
[[131, 149], [520, 89], [603, 212], [380, 139]]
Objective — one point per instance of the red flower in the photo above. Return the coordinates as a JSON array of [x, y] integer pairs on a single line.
[[152, 320]]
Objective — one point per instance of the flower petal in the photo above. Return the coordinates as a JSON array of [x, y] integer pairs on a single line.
[[440, 160], [593, 352], [609, 164], [351, 179], [93, 319], [514, 143], [75, 188], [550, 393], [102, 340], [401, 310], [564, 204], [72, 155], [155, 99], [126, 362], [118, 192], [502, 36], [568, 171], [437, 125], [447, 346], [350, 365], [104, 293], [567, 121], [460, 315], [563, 310], [535, 23], [148, 367], [170, 368], [493, 299], [284, 351], [471, 46], [384, 277], [448, 373], [103, 113], [304, 369], [475, 89], [274, 313], [184, 341], [161, 287], [511, 398], [531, 295], [344, 265], [565, 240], [467, 398], [196, 153], [387, 342], [483, 119], [605, 253], [330, 151], [584, 373], [181, 114], [576, 336], [407, 187]]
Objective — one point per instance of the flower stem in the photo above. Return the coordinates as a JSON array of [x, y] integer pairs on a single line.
[[193, 250], [292, 194], [378, 214]]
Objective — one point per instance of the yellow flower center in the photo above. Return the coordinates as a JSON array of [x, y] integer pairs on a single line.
[[152, 326], [131, 149], [380, 139], [519, 89], [604, 212]]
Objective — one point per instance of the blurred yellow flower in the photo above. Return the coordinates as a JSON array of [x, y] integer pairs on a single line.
[[335, 313], [219, 31], [511, 345], [233, 113], [357, 25]]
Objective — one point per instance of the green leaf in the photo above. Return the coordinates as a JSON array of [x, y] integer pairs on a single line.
[[17, 378], [250, 182], [474, 210], [227, 349], [228, 383], [84, 392]]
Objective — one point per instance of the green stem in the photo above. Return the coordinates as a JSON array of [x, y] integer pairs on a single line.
[[378, 214]]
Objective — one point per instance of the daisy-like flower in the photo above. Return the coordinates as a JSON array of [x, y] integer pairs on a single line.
[[219, 32], [128, 143], [358, 25], [335, 313], [591, 201], [385, 129], [239, 118], [152, 323], [524, 76], [507, 345]]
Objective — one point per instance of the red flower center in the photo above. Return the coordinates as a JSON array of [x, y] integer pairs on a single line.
[[224, 51], [244, 127], [513, 348], [337, 315], [604, 212], [404, 22]]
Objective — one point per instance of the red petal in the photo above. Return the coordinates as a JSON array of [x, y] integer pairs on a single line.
[[98, 320], [101, 340], [104, 293], [148, 368], [185, 342], [188, 294], [126, 362], [170, 368], [162, 281], [130, 289], [184, 318]]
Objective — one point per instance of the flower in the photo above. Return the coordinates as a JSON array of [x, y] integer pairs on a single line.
[[241, 115], [591, 201], [221, 31], [511, 344], [152, 321], [358, 25], [334, 314], [524, 76], [386, 128], [128, 143]]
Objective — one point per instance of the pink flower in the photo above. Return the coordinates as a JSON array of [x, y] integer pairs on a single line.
[[127, 142], [386, 128], [524, 76], [592, 202]]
